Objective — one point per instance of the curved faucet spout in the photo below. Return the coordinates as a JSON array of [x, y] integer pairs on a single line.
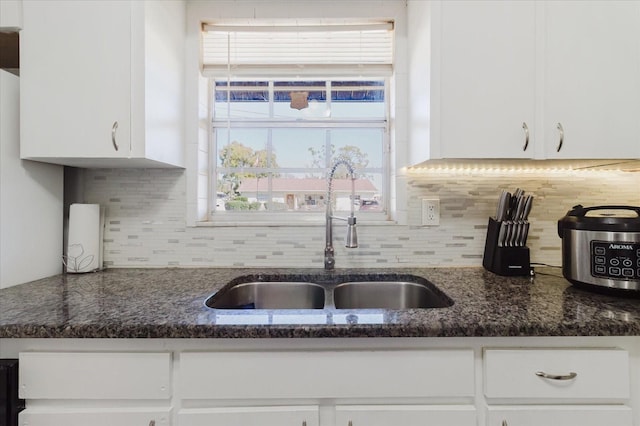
[[352, 237]]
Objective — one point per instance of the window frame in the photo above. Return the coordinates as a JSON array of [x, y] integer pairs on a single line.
[[297, 218]]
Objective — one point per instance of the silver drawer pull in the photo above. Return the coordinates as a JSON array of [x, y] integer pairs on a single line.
[[113, 135], [526, 136], [561, 141], [544, 375]]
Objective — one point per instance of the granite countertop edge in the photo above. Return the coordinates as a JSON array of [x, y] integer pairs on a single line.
[[158, 303]]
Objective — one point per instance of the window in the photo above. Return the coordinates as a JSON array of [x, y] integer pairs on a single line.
[[274, 137]]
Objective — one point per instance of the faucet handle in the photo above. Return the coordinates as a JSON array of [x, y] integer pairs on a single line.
[[329, 259], [352, 235]]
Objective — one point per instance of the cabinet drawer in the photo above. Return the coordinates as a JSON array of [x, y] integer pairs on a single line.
[[327, 374], [86, 375], [96, 417], [583, 415], [405, 415], [250, 416], [600, 374]]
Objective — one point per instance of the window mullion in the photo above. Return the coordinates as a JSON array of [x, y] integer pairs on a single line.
[[240, 124], [270, 173], [327, 147], [272, 98], [328, 95]]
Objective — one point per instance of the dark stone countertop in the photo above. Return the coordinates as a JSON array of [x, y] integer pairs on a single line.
[[168, 303]]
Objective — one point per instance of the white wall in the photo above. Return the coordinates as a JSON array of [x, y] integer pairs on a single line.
[[30, 201]]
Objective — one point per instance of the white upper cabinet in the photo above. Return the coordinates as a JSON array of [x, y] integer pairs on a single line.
[[592, 79], [487, 80], [503, 73], [11, 14], [102, 83], [75, 83]]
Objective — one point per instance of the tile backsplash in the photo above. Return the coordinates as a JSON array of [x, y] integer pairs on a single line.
[[146, 221]]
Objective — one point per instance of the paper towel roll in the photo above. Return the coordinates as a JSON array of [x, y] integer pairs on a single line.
[[84, 249]]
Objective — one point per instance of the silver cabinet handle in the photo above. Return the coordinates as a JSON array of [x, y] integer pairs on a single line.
[[113, 135], [561, 130], [526, 136], [544, 375]]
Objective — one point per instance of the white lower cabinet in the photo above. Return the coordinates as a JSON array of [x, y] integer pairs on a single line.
[[557, 375], [387, 381], [405, 415], [250, 416], [563, 387], [327, 374], [578, 415], [95, 388], [96, 417], [95, 375], [273, 384]]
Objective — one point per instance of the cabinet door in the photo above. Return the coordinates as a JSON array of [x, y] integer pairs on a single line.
[[405, 415], [559, 416], [96, 417], [528, 375], [446, 373], [95, 375], [250, 416], [592, 79], [11, 14], [487, 80], [75, 79]]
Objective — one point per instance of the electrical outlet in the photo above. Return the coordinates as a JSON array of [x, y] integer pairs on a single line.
[[430, 211]]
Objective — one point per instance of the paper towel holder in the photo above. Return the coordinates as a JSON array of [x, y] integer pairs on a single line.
[[85, 242]]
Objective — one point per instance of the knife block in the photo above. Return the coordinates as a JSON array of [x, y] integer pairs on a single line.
[[507, 261]]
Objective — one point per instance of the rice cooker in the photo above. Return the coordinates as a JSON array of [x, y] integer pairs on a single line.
[[601, 247]]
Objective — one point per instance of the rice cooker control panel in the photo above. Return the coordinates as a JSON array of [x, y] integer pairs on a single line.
[[615, 260]]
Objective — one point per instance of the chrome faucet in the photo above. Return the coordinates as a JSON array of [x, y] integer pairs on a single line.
[[352, 236]]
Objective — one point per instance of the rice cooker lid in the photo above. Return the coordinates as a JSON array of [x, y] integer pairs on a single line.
[[602, 218]]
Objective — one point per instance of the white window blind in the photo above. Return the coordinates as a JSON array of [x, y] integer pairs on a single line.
[[299, 50]]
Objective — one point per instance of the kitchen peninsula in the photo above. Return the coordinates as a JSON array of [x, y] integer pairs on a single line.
[[140, 346], [169, 303]]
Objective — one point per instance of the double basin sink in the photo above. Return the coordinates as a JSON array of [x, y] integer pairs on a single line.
[[347, 291]]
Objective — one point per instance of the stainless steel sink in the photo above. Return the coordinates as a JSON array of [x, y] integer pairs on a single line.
[[329, 291], [269, 295], [388, 295]]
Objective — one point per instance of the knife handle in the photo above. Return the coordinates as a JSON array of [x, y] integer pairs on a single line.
[[525, 233], [528, 204], [509, 233], [503, 206], [501, 233]]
